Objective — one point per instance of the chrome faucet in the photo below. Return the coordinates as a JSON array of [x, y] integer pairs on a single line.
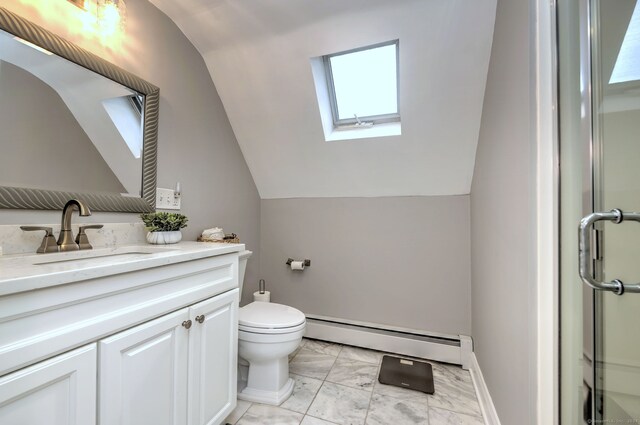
[[66, 240]]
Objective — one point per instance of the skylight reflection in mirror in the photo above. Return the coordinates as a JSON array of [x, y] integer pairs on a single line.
[[627, 67], [365, 82]]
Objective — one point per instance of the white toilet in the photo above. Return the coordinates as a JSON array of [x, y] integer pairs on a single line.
[[267, 334]]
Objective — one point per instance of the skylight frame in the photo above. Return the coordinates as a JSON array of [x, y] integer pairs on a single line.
[[373, 119]]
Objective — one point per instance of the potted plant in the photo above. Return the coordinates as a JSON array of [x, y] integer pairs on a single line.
[[163, 227]]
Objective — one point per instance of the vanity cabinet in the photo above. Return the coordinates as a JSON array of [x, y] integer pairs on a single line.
[[58, 391], [148, 339], [177, 369]]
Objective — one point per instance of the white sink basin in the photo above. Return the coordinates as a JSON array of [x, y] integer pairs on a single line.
[[124, 253]]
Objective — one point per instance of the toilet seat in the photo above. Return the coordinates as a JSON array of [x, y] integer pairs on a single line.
[[272, 331], [262, 317]]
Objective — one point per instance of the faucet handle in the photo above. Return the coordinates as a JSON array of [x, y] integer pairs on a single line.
[[49, 243], [82, 240]]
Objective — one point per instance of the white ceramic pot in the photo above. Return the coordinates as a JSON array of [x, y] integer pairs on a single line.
[[164, 238]]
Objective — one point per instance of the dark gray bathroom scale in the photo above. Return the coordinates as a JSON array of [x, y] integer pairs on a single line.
[[404, 373]]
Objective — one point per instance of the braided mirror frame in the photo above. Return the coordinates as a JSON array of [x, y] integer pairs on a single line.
[[38, 199]]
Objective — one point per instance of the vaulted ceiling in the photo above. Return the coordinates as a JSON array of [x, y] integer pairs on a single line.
[[259, 51]]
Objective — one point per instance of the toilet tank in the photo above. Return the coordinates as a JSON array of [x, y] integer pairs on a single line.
[[242, 266]]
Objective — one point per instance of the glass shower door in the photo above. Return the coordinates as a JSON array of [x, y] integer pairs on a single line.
[[615, 243]]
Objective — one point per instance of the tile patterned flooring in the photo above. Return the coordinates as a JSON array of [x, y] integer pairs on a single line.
[[338, 385]]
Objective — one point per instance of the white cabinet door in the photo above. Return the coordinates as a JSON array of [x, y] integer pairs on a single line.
[[143, 373], [58, 391], [213, 356]]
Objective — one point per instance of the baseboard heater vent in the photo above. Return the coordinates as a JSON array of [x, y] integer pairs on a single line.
[[408, 342]]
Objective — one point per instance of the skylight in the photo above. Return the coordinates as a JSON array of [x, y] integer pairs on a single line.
[[363, 85], [627, 67]]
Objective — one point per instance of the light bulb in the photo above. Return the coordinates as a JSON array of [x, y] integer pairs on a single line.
[[110, 18]]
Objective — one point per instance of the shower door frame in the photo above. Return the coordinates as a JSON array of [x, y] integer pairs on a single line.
[[591, 142]]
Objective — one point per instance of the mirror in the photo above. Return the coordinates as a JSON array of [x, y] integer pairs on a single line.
[[73, 125]]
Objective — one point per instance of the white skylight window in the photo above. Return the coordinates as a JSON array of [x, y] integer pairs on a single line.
[[627, 67], [363, 85]]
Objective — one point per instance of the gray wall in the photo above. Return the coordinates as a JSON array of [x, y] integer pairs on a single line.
[[400, 261], [39, 130], [503, 316], [196, 143]]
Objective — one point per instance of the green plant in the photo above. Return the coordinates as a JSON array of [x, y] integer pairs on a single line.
[[164, 221]]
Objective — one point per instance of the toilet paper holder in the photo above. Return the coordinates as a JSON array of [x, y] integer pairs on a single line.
[[307, 263]]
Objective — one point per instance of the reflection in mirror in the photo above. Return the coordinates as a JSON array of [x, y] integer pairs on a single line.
[[64, 127], [119, 128]]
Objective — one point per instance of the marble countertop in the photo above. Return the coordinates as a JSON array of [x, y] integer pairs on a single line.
[[26, 272]]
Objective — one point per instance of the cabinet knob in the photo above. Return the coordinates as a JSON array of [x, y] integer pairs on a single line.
[[187, 324], [200, 318]]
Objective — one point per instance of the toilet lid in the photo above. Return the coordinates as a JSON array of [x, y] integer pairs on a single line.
[[269, 316]]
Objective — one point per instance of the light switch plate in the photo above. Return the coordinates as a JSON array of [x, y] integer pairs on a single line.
[[166, 199]]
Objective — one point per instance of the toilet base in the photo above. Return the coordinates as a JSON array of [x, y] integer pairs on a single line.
[[267, 397]]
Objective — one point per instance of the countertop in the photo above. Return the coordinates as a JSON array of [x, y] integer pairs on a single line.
[[26, 272]]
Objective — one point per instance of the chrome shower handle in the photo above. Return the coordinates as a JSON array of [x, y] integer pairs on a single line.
[[584, 246]]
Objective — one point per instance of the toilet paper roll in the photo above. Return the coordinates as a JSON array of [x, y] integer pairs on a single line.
[[266, 297], [297, 265]]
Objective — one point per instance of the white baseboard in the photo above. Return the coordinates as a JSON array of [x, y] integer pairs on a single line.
[[454, 349], [484, 398]]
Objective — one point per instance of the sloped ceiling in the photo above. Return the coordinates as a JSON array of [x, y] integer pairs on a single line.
[[259, 51]]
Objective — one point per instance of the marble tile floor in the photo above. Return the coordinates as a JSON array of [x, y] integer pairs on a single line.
[[338, 385]]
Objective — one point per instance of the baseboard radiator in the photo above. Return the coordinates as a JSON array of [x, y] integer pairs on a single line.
[[454, 349]]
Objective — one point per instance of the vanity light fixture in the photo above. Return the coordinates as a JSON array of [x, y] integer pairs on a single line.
[[112, 16], [79, 3], [33, 46], [106, 17]]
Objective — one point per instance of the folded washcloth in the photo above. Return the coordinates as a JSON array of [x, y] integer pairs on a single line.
[[213, 233]]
